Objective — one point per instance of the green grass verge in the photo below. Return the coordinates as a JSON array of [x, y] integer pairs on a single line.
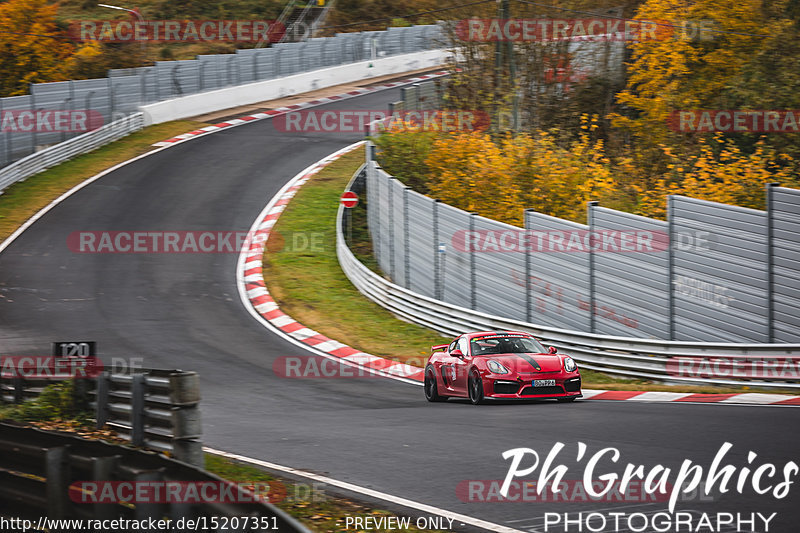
[[22, 200], [310, 286], [308, 502]]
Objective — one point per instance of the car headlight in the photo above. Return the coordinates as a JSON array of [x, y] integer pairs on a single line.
[[570, 365], [496, 367]]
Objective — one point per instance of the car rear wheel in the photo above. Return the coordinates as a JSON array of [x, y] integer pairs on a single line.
[[431, 388], [475, 387]]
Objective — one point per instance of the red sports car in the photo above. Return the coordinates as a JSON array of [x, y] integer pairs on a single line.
[[501, 365]]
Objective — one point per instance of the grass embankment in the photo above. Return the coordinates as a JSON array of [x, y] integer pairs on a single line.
[[22, 200], [311, 288]]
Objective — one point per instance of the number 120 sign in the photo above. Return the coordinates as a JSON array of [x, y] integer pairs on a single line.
[[74, 349]]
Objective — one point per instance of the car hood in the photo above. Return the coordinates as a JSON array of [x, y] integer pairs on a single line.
[[528, 362]]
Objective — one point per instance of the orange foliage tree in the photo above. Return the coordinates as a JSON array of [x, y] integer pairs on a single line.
[[32, 48], [500, 179]]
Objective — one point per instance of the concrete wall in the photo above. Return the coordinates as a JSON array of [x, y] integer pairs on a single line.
[[207, 102]]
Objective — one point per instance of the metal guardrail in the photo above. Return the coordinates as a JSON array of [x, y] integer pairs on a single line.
[[624, 356], [37, 468], [155, 409], [58, 153]]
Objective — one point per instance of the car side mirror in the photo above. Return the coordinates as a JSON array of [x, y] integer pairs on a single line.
[[457, 353], [552, 349]]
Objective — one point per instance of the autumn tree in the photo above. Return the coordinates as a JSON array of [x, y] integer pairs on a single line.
[[32, 48], [498, 179], [689, 71]]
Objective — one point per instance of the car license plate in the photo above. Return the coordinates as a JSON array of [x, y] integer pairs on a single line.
[[544, 383]]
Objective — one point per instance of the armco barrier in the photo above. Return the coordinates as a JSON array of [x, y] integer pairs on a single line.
[[37, 468], [624, 356], [154, 409], [711, 273], [58, 153]]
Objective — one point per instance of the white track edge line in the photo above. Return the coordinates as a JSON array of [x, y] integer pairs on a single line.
[[467, 520]]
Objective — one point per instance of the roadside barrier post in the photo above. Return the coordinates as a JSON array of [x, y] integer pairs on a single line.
[[57, 475], [473, 294], [137, 410], [592, 303]]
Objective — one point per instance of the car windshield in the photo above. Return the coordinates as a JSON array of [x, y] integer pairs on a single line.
[[502, 344]]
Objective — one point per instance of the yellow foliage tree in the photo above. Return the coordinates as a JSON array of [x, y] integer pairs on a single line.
[[688, 73], [32, 49], [499, 180], [730, 176]]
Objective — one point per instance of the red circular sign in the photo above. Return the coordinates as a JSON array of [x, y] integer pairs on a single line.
[[349, 199]]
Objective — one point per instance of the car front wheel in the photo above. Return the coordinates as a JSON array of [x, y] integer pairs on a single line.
[[475, 387], [431, 388]]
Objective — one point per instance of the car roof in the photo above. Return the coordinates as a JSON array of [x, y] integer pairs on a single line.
[[475, 334]]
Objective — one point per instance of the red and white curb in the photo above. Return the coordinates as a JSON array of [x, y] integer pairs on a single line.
[[262, 306], [749, 398], [294, 107]]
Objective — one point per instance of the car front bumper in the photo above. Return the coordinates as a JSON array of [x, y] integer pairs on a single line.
[[566, 385]]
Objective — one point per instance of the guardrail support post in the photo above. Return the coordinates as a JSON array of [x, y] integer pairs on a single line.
[[392, 272], [406, 244], [137, 410], [592, 296], [101, 399], [473, 295], [33, 106], [57, 472], [189, 451], [372, 167], [103, 470], [770, 263], [671, 266], [184, 388], [19, 390], [6, 140], [144, 511], [438, 285], [528, 268]]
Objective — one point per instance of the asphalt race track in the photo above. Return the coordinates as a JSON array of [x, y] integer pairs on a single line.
[[183, 311]]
